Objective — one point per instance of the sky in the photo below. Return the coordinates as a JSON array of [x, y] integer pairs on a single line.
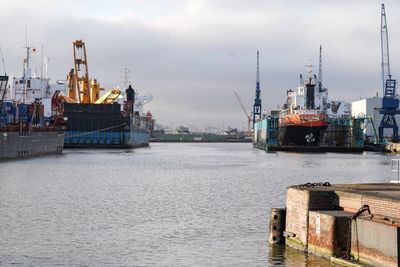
[[192, 54]]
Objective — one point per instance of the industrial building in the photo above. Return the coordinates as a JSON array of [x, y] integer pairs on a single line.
[[369, 107]]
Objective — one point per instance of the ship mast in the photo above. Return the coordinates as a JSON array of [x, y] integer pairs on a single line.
[[26, 70]]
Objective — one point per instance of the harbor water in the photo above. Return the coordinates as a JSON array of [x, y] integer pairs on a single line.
[[171, 204]]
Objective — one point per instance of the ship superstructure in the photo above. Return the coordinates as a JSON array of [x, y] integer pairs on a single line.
[[25, 131], [31, 86]]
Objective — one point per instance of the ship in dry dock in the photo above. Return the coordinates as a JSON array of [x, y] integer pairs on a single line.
[[308, 121]]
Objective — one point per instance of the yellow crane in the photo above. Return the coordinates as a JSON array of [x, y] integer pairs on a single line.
[[80, 88], [249, 120]]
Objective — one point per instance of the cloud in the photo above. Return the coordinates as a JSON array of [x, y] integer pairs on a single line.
[[192, 54]]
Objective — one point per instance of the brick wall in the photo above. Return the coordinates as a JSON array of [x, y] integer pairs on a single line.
[[383, 207], [296, 216], [329, 233]]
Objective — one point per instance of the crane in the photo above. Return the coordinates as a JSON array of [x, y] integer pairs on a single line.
[[257, 99], [248, 116], [390, 104], [80, 87], [81, 75]]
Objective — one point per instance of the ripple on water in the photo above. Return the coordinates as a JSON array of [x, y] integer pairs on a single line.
[[170, 204]]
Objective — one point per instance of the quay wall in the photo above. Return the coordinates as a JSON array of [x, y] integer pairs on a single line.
[[324, 220]]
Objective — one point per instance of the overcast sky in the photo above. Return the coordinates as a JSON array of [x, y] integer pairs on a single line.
[[192, 54]]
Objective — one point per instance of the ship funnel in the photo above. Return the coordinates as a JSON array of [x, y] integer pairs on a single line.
[[130, 94]]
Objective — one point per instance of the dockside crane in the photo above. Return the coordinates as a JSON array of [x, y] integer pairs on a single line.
[[320, 88], [248, 116], [81, 88], [257, 99], [81, 78], [322, 91], [390, 103]]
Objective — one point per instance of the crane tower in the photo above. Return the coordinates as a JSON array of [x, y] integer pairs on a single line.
[[390, 104], [257, 99], [81, 75]]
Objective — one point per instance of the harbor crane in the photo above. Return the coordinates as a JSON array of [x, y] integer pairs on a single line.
[[248, 116], [257, 99], [81, 89], [81, 73], [390, 103]]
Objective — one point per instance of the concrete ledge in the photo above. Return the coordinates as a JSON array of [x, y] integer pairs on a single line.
[[345, 262], [319, 251], [295, 243]]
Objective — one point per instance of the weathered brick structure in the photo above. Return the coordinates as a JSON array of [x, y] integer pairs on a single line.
[[329, 233], [318, 218]]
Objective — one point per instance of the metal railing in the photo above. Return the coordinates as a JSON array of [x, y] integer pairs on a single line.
[[395, 167]]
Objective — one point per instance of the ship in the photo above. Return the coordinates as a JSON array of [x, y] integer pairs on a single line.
[[24, 130], [301, 122], [107, 121], [308, 122]]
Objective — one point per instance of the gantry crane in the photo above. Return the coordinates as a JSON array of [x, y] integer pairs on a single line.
[[390, 103], [248, 116]]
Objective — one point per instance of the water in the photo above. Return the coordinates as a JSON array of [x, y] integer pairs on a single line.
[[167, 205]]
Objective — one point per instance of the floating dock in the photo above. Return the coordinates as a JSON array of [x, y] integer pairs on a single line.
[[347, 223], [343, 134]]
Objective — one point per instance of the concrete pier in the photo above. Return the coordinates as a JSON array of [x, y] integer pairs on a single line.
[[354, 222]]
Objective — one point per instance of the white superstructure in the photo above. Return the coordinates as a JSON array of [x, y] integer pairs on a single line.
[[29, 87]]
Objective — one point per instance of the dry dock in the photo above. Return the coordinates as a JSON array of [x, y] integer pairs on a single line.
[[358, 223]]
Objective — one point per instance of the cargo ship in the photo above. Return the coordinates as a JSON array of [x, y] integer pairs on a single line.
[[107, 121], [105, 125]]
